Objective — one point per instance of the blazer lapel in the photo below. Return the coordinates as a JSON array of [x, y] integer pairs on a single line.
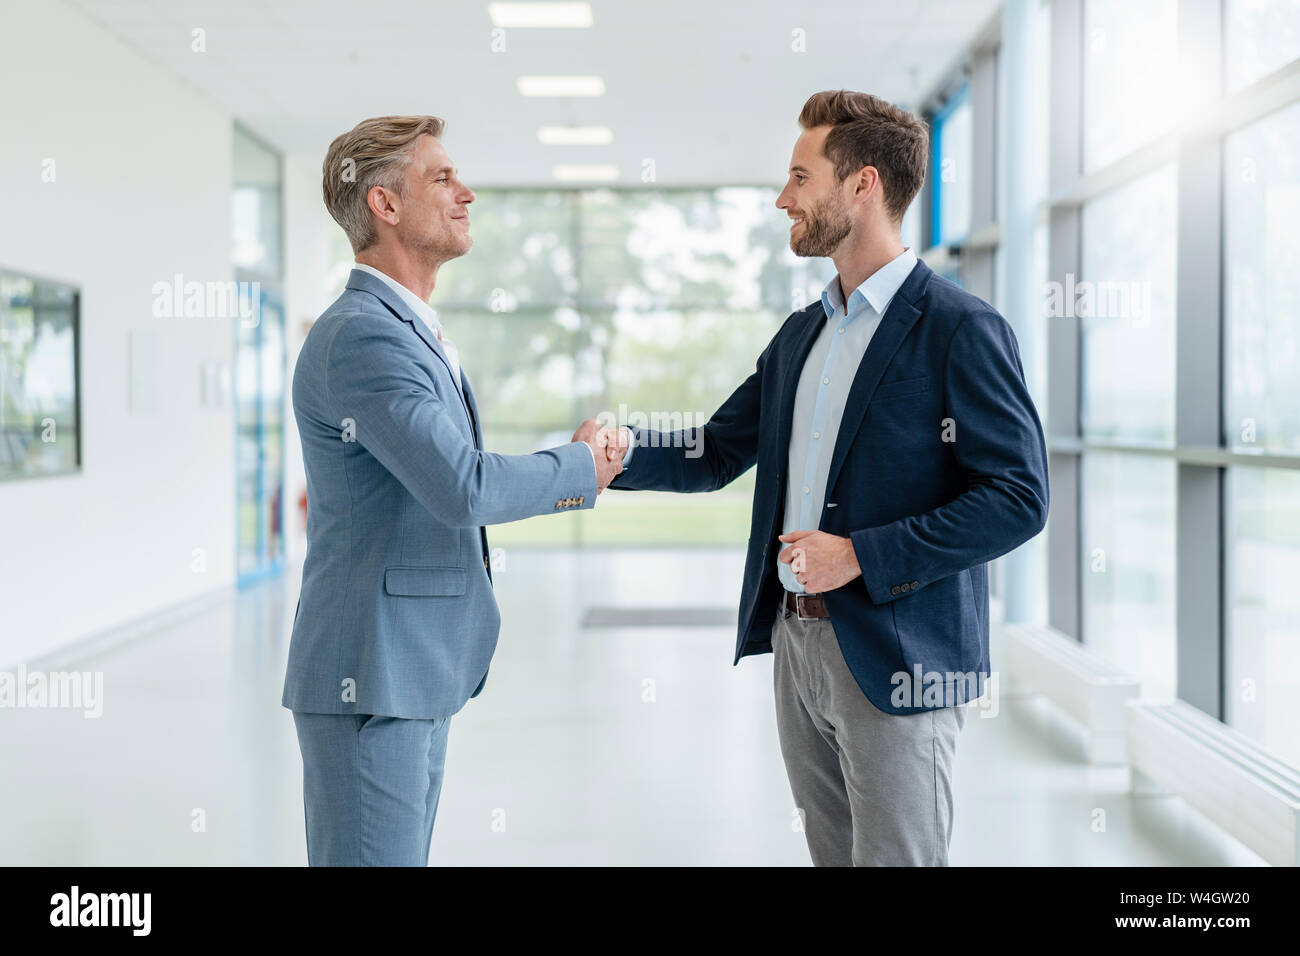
[[894, 326], [365, 282], [473, 410], [815, 318]]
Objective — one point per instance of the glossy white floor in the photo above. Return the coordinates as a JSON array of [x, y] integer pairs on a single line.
[[629, 746]]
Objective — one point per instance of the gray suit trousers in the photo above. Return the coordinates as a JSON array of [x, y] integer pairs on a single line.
[[873, 789]]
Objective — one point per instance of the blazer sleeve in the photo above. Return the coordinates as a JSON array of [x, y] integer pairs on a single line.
[[374, 378], [700, 459], [999, 446]]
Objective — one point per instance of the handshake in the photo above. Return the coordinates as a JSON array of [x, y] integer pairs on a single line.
[[609, 446]]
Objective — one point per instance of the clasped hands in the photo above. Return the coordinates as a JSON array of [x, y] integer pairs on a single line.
[[609, 445]]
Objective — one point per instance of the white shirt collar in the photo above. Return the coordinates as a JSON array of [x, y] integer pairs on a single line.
[[418, 305], [878, 290]]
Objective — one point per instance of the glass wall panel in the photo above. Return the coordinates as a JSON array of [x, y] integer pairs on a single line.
[[1260, 36], [1130, 70], [1261, 293], [1125, 301], [255, 207], [1262, 662], [1127, 565], [951, 175]]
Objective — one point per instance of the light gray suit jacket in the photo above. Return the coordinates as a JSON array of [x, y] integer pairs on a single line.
[[397, 614]]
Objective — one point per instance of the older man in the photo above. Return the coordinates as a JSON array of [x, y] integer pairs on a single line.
[[397, 622]]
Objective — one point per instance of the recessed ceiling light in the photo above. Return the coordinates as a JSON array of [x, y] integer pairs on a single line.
[[575, 135], [591, 173], [561, 85], [523, 15]]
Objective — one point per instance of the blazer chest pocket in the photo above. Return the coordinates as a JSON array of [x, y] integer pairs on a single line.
[[901, 389], [424, 582]]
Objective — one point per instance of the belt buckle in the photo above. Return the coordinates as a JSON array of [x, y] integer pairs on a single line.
[[798, 607]]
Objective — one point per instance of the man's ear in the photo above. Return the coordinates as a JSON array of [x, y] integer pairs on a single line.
[[384, 204], [868, 181]]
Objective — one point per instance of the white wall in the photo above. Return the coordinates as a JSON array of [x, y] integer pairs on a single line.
[[142, 187]]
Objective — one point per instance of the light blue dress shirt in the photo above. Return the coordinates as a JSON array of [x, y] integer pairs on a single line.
[[824, 389]]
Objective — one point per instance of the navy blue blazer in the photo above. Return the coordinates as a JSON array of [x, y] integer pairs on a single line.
[[939, 467]]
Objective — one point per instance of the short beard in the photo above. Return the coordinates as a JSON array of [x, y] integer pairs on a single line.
[[436, 250], [824, 228]]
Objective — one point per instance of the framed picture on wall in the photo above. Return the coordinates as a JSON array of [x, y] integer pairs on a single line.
[[40, 377]]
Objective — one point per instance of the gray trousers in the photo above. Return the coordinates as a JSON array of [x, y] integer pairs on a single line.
[[873, 789]]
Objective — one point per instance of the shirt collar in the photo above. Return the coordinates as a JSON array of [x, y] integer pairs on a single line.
[[877, 291], [418, 305]]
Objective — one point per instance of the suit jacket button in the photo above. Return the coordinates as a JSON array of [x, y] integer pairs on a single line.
[[915, 585], [895, 590]]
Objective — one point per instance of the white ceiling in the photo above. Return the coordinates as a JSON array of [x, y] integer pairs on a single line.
[[708, 89]]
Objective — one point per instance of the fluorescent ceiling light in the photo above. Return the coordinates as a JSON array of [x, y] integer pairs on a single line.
[[522, 15], [575, 135], [594, 173], [561, 85]]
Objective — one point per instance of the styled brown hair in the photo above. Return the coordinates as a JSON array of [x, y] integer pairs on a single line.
[[868, 131], [375, 152]]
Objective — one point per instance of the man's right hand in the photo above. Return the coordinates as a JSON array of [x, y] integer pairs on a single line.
[[600, 441]]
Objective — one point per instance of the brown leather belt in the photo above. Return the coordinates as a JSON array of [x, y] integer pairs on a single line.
[[806, 606]]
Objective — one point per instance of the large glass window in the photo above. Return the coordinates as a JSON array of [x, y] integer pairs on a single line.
[[1262, 284], [1130, 70], [1128, 565], [652, 303], [1260, 36], [1125, 302], [1262, 674]]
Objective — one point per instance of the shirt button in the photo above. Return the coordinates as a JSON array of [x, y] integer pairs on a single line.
[[806, 491], [817, 434], [826, 381], [841, 330]]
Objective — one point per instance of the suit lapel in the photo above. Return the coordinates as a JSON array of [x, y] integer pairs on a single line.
[[894, 326], [365, 282], [815, 318], [473, 410]]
